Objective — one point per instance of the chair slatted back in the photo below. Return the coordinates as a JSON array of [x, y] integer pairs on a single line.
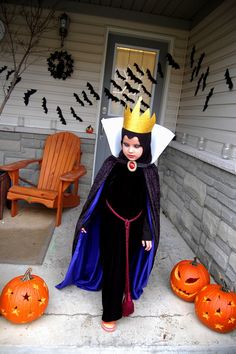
[[61, 153]]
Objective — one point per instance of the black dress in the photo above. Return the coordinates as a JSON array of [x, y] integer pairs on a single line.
[[126, 193]]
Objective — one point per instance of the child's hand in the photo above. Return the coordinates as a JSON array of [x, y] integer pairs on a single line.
[[147, 245], [83, 230]]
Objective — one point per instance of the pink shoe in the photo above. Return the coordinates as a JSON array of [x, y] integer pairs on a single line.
[[109, 326]]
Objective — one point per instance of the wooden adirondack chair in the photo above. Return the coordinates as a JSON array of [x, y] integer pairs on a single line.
[[60, 167]]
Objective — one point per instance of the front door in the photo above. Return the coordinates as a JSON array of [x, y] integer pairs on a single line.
[[134, 67]]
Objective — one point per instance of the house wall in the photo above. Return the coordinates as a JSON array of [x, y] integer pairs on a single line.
[[86, 42], [214, 36], [198, 187]]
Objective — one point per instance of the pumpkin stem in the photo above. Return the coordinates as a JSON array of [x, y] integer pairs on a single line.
[[224, 287], [194, 262], [27, 276]]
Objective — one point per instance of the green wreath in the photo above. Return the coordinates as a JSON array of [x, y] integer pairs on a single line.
[[60, 65]]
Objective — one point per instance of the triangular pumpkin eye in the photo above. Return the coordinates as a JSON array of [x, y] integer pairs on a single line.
[[191, 280]]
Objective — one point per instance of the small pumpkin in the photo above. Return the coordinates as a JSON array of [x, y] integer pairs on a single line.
[[24, 298], [89, 129], [215, 306], [187, 278]]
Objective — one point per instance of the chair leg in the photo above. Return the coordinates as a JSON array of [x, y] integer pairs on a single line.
[[14, 208], [59, 206]]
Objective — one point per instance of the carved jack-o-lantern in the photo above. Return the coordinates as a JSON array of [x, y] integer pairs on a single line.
[[24, 298], [215, 306], [187, 278]]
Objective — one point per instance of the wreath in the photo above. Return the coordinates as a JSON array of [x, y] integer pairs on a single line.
[[60, 65]]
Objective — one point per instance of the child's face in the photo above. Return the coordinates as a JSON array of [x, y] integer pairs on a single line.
[[131, 148]]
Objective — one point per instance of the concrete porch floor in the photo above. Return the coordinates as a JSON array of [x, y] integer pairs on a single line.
[[161, 323]]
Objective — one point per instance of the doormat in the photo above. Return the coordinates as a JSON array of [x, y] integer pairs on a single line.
[[24, 239]]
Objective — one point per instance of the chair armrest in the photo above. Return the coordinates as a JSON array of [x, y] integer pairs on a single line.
[[18, 165], [73, 175]]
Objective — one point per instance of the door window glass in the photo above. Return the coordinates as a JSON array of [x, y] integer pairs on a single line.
[[131, 78]]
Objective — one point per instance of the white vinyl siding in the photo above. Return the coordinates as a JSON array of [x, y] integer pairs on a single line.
[[86, 42], [216, 37]]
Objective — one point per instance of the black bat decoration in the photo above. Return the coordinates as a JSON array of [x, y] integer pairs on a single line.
[[75, 115], [138, 69], [172, 62], [116, 85], [146, 91], [3, 68], [193, 73], [86, 98], [128, 98], [17, 81], [159, 70], [205, 78], [145, 104], [123, 103], [9, 74], [92, 91], [27, 95], [150, 77], [130, 88], [110, 95], [208, 98], [78, 99], [198, 84], [62, 119], [142, 110], [44, 105], [119, 75], [133, 77], [228, 79], [192, 56], [199, 63]]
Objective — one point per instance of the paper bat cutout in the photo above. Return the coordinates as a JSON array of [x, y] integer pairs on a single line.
[[123, 103], [145, 104], [228, 79], [3, 68], [204, 79], [86, 98], [75, 115], [192, 56], [138, 69], [132, 76], [110, 95], [116, 85], [27, 95], [128, 98], [119, 75], [150, 77], [131, 89], [146, 91], [17, 81], [62, 119], [193, 73], [44, 105], [78, 99], [172, 62], [198, 84], [208, 98], [159, 70], [92, 91], [199, 63], [9, 73]]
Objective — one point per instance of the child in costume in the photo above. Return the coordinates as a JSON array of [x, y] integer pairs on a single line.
[[117, 233]]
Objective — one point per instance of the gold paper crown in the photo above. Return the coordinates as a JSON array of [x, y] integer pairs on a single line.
[[137, 123]]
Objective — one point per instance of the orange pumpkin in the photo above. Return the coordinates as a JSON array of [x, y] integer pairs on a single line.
[[187, 278], [24, 298], [215, 306]]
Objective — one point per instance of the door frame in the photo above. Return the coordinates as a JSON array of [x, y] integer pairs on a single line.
[[144, 35]]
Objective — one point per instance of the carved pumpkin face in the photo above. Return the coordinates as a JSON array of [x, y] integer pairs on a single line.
[[24, 298], [187, 278], [216, 308]]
